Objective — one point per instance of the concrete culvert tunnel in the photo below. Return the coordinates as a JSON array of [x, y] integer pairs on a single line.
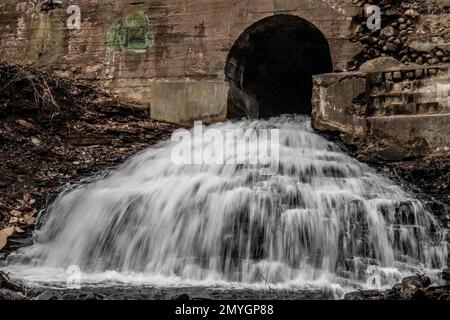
[[270, 67]]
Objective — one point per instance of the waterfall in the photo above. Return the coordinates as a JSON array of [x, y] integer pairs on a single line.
[[322, 215]]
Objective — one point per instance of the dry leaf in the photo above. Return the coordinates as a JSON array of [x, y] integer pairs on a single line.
[[32, 213], [29, 220], [19, 230], [4, 234], [26, 197], [13, 220], [16, 213]]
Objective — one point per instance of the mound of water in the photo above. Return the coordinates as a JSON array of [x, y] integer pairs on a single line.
[[322, 217]]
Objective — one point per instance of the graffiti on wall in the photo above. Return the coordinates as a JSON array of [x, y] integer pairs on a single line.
[[133, 34]]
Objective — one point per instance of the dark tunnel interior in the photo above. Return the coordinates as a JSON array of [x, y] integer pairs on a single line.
[[270, 67]]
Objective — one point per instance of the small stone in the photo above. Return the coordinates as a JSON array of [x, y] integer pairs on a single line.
[[24, 124], [390, 47], [37, 142], [387, 32], [364, 39], [434, 61], [403, 27], [401, 20], [432, 72], [397, 75], [411, 13], [388, 76], [435, 40], [410, 75], [419, 73], [439, 53]]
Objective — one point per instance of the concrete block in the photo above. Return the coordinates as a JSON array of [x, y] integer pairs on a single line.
[[185, 101], [334, 100]]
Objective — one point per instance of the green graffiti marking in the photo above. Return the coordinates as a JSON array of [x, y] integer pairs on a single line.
[[133, 35]]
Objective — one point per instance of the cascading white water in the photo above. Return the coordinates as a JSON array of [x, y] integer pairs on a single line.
[[324, 215]]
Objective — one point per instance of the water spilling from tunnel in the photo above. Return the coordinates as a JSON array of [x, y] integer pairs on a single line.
[[322, 218]]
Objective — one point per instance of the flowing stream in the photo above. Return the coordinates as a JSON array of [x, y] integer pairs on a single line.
[[323, 219]]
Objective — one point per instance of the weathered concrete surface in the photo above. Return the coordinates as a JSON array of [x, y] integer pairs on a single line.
[[334, 100], [408, 137], [124, 46], [206, 100], [396, 114], [188, 38]]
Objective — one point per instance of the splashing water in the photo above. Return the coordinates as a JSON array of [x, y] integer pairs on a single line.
[[323, 218]]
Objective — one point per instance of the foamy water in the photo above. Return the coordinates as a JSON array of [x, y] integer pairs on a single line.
[[324, 220]]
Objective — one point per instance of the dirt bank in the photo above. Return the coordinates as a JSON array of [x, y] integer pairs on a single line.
[[55, 131]]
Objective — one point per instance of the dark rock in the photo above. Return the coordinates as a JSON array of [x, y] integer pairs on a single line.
[[446, 275], [418, 281], [390, 47], [6, 294], [364, 295], [183, 297], [397, 75]]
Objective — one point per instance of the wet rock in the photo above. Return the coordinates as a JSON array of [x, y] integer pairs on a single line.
[[6, 294], [364, 295], [11, 289], [446, 275], [417, 281], [183, 297]]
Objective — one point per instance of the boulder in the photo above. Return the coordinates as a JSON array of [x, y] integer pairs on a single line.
[[380, 64], [417, 282]]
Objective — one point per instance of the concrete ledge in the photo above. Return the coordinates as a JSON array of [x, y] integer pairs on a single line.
[[185, 101], [404, 137], [335, 100]]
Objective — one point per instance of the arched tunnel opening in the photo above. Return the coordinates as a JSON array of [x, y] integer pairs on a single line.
[[270, 67]]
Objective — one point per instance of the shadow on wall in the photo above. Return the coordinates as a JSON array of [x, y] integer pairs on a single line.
[[270, 67]]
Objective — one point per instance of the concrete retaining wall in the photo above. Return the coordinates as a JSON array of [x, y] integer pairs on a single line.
[[394, 114]]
